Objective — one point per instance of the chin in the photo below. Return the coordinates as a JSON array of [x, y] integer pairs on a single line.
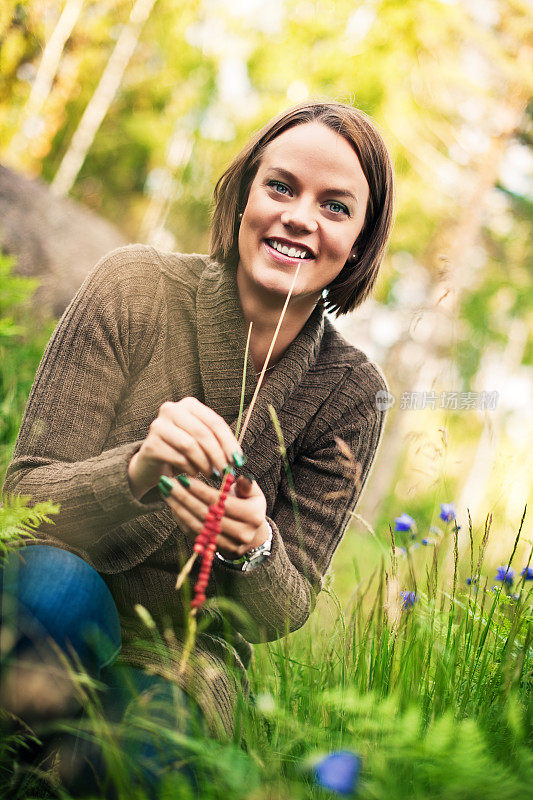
[[274, 280]]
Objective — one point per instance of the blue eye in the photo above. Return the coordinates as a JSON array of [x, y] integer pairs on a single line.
[[279, 187], [337, 207]]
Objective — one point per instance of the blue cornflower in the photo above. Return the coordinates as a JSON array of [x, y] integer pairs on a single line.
[[338, 772], [408, 598], [447, 512], [527, 573], [426, 541], [404, 523], [470, 581], [505, 574]]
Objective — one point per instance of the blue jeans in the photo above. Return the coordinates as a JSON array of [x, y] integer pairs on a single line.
[[50, 594]]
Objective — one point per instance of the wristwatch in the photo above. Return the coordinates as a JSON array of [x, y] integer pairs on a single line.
[[252, 558]]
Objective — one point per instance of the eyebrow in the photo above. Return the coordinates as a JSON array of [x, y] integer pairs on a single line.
[[338, 192]]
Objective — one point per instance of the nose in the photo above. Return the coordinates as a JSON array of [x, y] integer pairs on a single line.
[[299, 216]]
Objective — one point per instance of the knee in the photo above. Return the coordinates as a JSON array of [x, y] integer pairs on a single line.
[[49, 592]]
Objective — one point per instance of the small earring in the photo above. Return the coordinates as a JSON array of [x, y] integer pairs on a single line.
[[240, 215], [353, 257]]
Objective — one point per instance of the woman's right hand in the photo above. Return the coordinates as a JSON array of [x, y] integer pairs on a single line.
[[186, 437]]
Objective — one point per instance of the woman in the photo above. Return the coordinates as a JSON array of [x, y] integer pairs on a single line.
[[139, 388]]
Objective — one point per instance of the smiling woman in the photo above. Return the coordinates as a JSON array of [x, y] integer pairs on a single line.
[[293, 213], [133, 417]]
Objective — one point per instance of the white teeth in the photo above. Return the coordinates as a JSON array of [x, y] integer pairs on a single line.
[[292, 252]]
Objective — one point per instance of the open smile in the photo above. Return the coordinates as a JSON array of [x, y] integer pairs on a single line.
[[287, 252]]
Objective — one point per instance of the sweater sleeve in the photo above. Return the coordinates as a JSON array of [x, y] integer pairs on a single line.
[[279, 595], [60, 452]]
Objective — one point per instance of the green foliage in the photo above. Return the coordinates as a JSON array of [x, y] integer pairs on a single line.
[[22, 342], [18, 520], [435, 699]]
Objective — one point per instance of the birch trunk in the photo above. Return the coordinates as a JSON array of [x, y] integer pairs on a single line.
[[102, 98], [44, 79]]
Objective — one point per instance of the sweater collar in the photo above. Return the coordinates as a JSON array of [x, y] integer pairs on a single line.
[[222, 333]]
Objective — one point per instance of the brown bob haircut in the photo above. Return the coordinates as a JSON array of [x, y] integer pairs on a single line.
[[357, 278]]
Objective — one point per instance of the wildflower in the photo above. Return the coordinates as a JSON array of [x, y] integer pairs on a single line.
[[338, 772], [447, 512], [408, 598], [404, 523], [470, 581], [527, 573], [505, 574], [428, 541]]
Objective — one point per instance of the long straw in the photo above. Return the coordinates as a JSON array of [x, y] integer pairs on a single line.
[[267, 359], [188, 566]]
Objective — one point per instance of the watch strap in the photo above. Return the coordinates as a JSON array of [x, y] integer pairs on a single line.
[[252, 558]]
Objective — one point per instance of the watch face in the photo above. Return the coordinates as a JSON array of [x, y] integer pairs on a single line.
[[255, 560]]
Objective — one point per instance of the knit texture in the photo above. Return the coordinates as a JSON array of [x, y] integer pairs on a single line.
[[147, 327]]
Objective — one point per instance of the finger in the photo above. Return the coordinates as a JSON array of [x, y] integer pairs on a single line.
[[229, 548], [194, 504], [196, 499], [208, 495], [237, 510], [191, 454], [245, 509], [219, 427], [243, 486], [205, 439], [158, 450], [184, 516], [239, 533], [191, 512]]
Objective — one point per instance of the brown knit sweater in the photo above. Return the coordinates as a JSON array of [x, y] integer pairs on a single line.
[[147, 327]]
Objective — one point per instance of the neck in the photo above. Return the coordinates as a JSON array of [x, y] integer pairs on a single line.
[[263, 309]]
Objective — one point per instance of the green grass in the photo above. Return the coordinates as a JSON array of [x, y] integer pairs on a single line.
[[435, 699], [23, 337]]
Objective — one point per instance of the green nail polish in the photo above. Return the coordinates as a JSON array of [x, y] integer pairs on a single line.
[[183, 479], [239, 460], [165, 485], [215, 474]]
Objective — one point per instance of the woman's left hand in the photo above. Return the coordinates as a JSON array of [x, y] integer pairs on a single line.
[[243, 525]]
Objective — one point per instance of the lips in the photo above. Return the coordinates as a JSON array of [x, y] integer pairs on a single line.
[[294, 251]]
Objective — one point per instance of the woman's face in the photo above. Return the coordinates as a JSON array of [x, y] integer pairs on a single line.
[[306, 206]]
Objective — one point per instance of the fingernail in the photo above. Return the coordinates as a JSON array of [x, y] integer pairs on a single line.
[[165, 485], [215, 474], [183, 479], [239, 460]]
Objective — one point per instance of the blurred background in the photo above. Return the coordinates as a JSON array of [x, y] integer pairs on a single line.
[[118, 116]]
